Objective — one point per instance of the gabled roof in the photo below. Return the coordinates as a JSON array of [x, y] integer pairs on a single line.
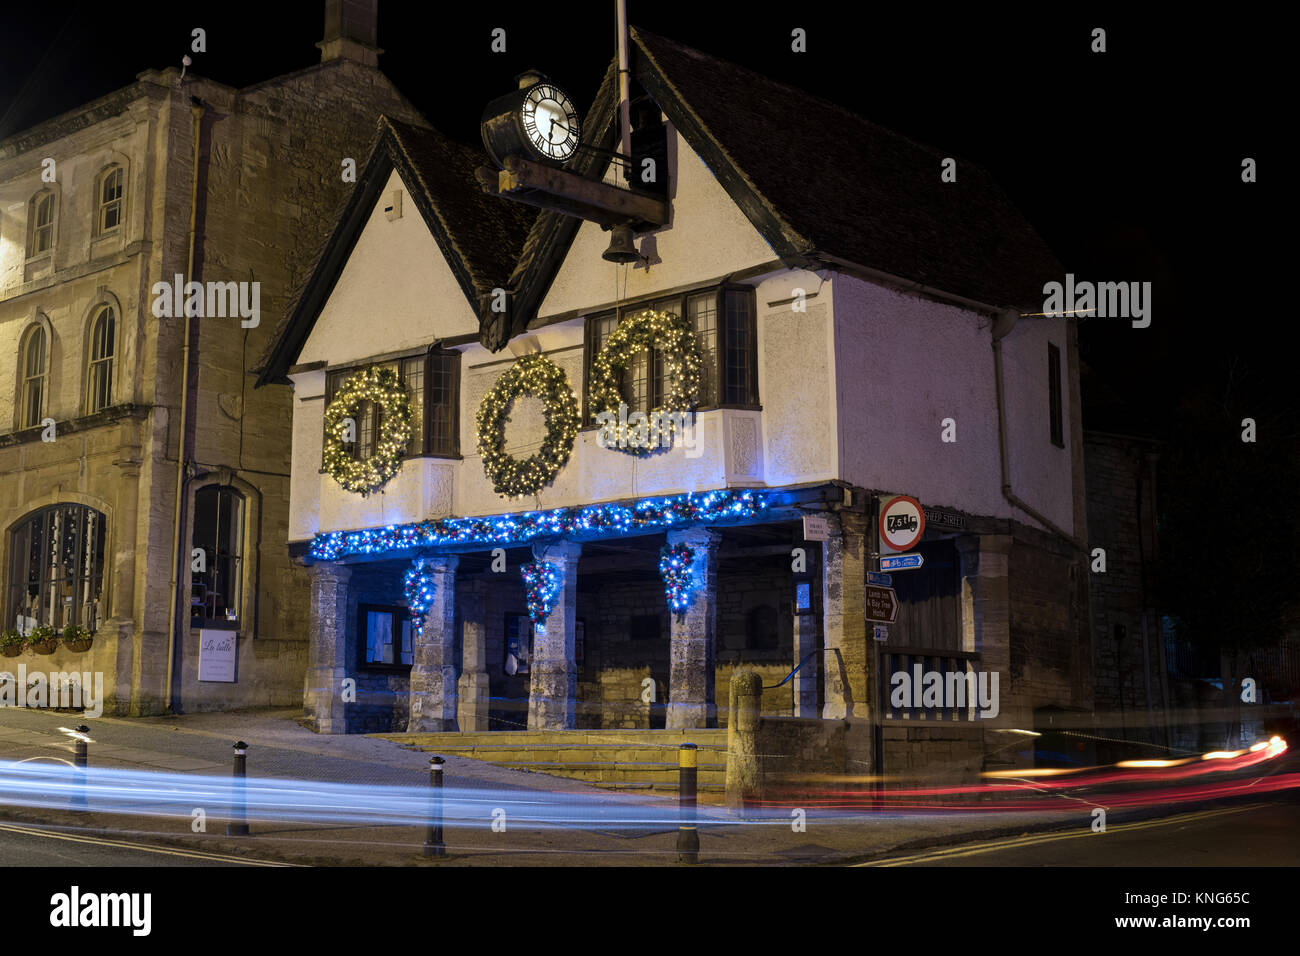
[[818, 181], [480, 237]]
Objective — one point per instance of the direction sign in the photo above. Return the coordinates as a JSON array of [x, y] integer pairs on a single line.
[[901, 562], [875, 577], [882, 604]]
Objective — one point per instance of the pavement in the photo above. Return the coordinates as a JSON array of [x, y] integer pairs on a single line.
[[281, 749]]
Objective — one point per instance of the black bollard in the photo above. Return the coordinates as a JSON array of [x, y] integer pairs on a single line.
[[80, 758], [688, 837], [238, 825], [433, 845]]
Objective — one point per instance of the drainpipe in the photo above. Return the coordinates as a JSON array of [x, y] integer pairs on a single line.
[[624, 105], [1002, 325], [196, 111]]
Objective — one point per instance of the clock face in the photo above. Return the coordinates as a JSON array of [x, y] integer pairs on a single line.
[[550, 122]]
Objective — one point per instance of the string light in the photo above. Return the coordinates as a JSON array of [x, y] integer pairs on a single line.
[[420, 592], [538, 376], [385, 389], [675, 340], [590, 522], [675, 562], [542, 583]]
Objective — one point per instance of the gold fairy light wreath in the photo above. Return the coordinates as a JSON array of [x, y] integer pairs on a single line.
[[670, 335], [538, 376], [383, 387]]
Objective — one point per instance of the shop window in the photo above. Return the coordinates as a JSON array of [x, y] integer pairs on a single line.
[[216, 557], [56, 569]]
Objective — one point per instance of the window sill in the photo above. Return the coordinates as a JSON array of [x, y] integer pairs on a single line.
[[198, 625], [400, 669]]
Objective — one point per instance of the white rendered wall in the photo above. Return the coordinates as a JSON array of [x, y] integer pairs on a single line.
[[906, 363], [395, 292]]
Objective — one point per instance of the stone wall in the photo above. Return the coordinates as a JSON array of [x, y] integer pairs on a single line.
[[1131, 697], [947, 751]]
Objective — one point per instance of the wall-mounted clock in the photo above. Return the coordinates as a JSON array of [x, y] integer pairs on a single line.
[[537, 121]]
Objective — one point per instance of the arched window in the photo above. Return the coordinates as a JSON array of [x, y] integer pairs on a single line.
[[215, 588], [110, 200], [56, 569], [40, 224], [33, 359], [99, 369]]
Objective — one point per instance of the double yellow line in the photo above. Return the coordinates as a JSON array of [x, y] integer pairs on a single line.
[[951, 853]]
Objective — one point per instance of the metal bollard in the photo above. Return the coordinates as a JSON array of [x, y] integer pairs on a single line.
[[238, 825], [433, 845], [80, 758], [688, 837]]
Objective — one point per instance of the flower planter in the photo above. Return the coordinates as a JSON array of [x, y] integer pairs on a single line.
[[11, 650], [79, 645], [45, 647]]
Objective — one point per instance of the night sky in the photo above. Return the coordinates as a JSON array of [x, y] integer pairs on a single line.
[[1127, 162]]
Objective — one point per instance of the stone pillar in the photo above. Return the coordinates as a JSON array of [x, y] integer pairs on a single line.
[[744, 702], [322, 697], [846, 674], [472, 713], [433, 657], [552, 694], [692, 650], [986, 616]]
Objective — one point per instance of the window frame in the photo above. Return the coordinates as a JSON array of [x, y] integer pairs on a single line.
[[92, 565], [217, 623], [119, 202], [25, 378], [424, 431], [752, 399], [110, 360], [400, 614], [34, 228]]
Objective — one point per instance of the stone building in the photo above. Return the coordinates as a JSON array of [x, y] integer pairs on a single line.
[[103, 428], [1133, 692], [857, 323]]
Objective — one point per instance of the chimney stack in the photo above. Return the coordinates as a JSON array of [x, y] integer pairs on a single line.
[[351, 32]]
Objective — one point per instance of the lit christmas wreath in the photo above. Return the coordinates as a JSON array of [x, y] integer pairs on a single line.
[[385, 389], [674, 338], [538, 376]]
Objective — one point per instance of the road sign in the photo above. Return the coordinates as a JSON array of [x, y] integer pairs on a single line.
[[902, 522], [882, 604], [875, 577], [901, 562], [881, 632]]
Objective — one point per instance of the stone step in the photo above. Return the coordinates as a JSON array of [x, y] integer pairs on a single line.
[[602, 753], [612, 773], [712, 738]]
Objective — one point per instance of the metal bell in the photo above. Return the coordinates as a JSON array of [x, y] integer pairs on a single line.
[[620, 246]]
